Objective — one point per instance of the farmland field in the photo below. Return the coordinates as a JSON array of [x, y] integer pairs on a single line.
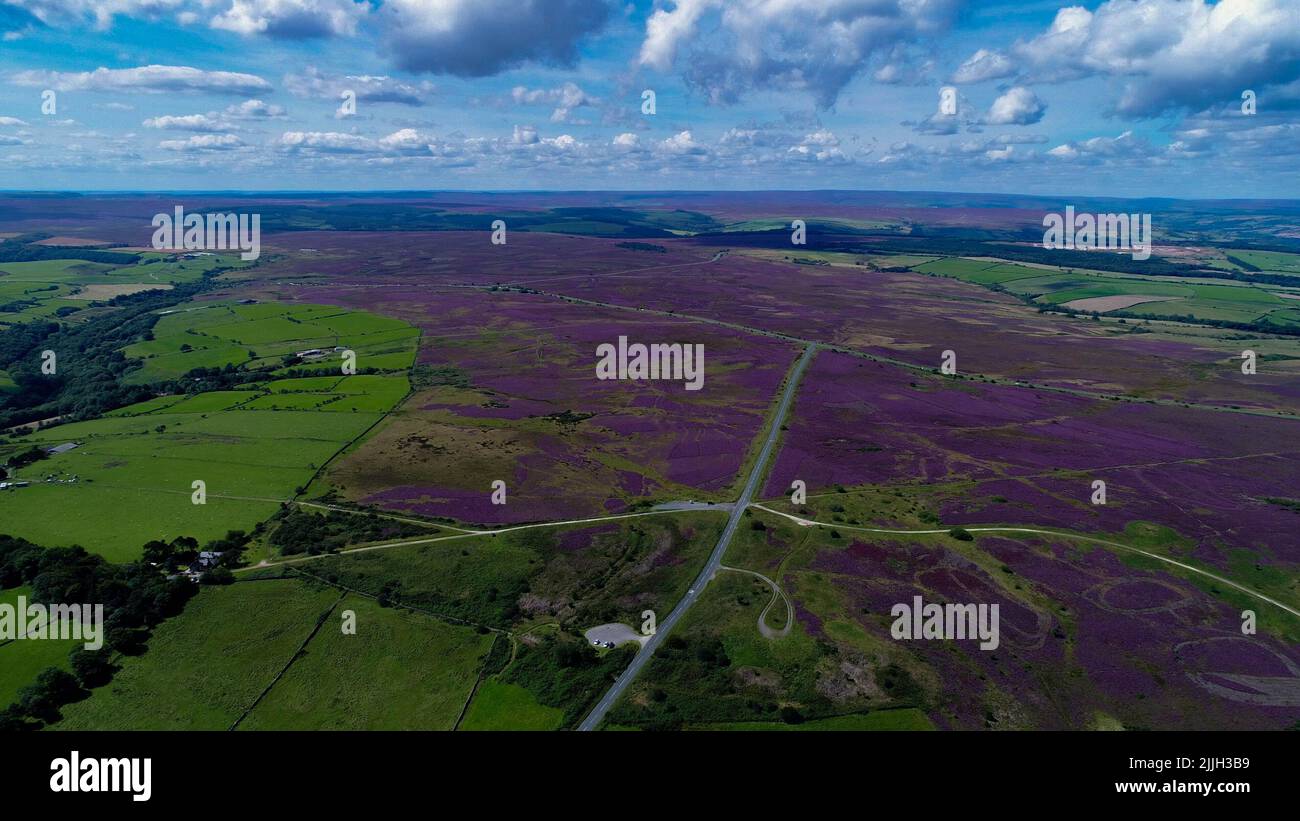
[[1244, 302], [500, 706], [550, 584], [21, 660], [205, 668], [217, 334], [400, 671], [44, 289], [219, 437]]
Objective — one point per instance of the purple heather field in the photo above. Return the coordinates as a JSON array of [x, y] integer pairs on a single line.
[[900, 315], [1001, 455], [531, 360], [1152, 650], [1087, 639]]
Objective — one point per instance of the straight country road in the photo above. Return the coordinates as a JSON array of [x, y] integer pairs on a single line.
[[593, 719]]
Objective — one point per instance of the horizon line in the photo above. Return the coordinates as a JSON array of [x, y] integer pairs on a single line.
[[618, 191]]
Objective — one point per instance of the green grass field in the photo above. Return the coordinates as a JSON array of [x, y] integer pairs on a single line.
[[205, 667], [1269, 260], [140, 478], [37, 290], [400, 671], [207, 335], [21, 660], [472, 579], [1200, 299], [136, 467], [252, 448], [981, 272], [500, 706]]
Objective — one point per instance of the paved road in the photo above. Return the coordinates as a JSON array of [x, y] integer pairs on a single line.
[[665, 626]]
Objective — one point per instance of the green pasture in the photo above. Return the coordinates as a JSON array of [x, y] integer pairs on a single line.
[[135, 472], [1198, 298], [22, 659], [399, 671], [1269, 260], [501, 706], [263, 334], [37, 290], [208, 665]]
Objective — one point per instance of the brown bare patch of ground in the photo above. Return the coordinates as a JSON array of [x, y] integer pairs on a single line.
[[1102, 304], [758, 677], [71, 242], [850, 678], [94, 292], [416, 450]]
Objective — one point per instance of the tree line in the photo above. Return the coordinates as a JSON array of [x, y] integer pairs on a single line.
[[137, 597]]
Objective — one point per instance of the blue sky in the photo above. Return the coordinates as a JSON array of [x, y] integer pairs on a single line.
[[1124, 97]]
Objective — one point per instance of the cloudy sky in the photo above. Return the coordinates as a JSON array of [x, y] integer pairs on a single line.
[[1125, 97]]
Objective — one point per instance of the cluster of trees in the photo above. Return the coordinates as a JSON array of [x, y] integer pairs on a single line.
[[137, 597], [313, 533], [23, 249], [183, 551], [30, 456], [1017, 250], [90, 367], [1261, 325], [564, 672]]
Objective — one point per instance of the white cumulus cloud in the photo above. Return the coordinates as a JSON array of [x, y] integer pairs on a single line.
[[1018, 106], [727, 48], [152, 79]]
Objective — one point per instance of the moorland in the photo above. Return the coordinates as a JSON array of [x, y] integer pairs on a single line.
[[393, 419]]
